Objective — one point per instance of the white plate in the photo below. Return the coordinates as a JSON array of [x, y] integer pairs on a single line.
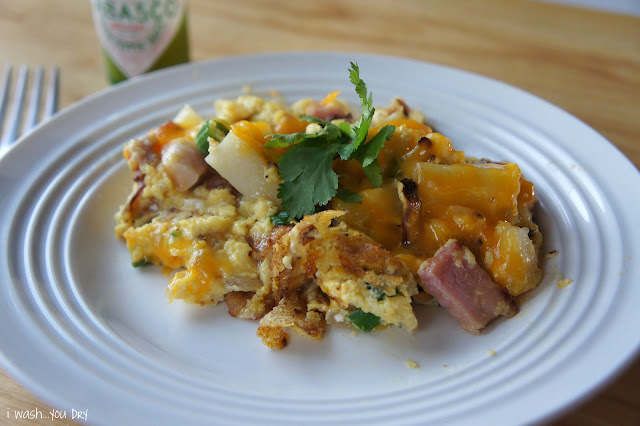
[[84, 330]]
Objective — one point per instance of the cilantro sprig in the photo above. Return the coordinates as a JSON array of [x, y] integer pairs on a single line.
[[306, 167]]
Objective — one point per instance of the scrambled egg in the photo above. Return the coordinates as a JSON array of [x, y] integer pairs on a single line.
[[207, 220], [348, 266]]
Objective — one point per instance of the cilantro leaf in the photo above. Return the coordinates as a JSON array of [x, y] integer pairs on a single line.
[[367, 155], [368, 152], [365, 321], [284, 141], [374, 174], [377, 293], [345, 126], [346, 151], [281, 219], [360, 128], [142, 262], [314, 119], [348, 196], [334, 133], [309, 179], [329, 130]]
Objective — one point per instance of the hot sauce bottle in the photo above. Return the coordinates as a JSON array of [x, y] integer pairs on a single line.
[[138, 36]]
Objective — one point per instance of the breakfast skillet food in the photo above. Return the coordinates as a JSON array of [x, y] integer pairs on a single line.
[[312, 214]]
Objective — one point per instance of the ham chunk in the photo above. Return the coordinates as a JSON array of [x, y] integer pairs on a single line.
[[327, 112], [466, 290], [183, 163]]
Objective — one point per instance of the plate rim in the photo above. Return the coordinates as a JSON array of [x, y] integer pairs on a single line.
[[158, 75]]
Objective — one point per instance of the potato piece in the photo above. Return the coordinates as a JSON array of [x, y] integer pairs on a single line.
[[514, 263], [187, 118], [489, 189], [244, 168]]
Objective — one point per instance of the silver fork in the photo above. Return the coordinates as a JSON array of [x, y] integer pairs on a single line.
[[12, 122]]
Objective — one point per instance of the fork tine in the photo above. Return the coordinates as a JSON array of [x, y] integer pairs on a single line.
[[33, 110], [51, 105], [11, 133], [4, 95], [12, 119]]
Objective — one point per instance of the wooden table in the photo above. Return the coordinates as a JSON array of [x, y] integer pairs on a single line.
[[586, 62]]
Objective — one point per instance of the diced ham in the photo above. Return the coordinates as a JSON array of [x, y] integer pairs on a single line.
[[183, 163], [466, 290], [327, 112]]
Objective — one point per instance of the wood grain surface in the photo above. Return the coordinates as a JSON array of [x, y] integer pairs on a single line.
[[586, 62]]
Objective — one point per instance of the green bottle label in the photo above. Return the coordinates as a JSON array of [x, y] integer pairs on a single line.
[[138, 36]]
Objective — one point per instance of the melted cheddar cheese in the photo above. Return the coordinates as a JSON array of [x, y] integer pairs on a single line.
[[483, 205], [206, 220]]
